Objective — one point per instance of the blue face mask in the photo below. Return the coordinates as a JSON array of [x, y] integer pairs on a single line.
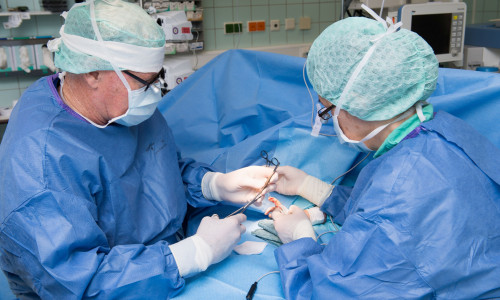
[[142, 104]]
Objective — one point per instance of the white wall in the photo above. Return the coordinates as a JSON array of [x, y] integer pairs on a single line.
[[199, 60]]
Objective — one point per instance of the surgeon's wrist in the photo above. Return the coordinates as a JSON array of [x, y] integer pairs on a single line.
[[192, 255], [303, 229], [315, 215], [315, 190], [208, 186]]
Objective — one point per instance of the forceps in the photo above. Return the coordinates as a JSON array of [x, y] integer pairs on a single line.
[[273, 161]]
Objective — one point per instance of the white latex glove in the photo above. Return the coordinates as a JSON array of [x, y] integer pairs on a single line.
[[214, 240], [239, 186], [289, 180], [292, 181], [293, 226]]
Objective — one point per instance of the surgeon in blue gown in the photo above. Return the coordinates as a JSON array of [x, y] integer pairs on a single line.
[[422, 220], [93, 194]]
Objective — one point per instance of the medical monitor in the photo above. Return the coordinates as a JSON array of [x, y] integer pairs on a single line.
[[441, 24]]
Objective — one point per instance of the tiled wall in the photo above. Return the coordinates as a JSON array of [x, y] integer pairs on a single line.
[[321, 12], [216, 12], [485, 10]]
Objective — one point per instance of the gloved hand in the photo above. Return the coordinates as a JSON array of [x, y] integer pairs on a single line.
[[268, 233], [294, 225], [289, 180], [239, 186], [214, 240], [292, 181]]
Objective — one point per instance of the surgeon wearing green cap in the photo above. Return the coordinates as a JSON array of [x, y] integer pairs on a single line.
[[93, 194], [421, 221]]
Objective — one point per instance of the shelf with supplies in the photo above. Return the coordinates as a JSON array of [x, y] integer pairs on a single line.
[[19, 41], [177, 47], [25, 56], [36, 73], [31, 13]]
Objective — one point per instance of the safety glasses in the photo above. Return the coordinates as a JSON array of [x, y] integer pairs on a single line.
[[157, 82], [324, 113]]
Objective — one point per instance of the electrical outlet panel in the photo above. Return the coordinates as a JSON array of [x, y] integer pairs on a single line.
[[275, 25], [233, 27], [254, 26], [261, 25], [238, 27], [305, 23], [228, 27], [289, 23]]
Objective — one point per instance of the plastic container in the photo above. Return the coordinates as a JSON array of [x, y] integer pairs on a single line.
[[487, 69], [55, 5]]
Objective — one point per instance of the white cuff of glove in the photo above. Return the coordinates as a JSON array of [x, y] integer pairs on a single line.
[[315, 190], [316, 216], [303, 229], [192, 255], [208, 187]]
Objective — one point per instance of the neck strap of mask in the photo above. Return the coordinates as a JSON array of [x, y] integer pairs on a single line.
[[380, 128]]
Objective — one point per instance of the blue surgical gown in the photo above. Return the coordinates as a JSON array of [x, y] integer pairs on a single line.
[[89, 212], [421, 222]]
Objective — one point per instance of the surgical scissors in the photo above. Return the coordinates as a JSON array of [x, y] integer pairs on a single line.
[[273, 161]]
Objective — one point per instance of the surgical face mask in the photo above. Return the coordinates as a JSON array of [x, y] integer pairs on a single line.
[[356, 145], [142, 104], [360, 145]]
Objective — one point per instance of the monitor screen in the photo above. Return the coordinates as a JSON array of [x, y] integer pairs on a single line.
[[426, 25], [441, 24]]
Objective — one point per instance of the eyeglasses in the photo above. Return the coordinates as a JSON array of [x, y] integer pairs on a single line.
[[157, 82], [324, 113]]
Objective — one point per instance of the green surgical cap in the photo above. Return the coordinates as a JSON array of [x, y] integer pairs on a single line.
[[118, 21], [401, 71]]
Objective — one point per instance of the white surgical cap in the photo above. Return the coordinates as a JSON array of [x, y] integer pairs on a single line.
[[127, 37]]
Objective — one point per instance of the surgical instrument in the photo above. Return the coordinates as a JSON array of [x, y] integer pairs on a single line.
[[273, 161]]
